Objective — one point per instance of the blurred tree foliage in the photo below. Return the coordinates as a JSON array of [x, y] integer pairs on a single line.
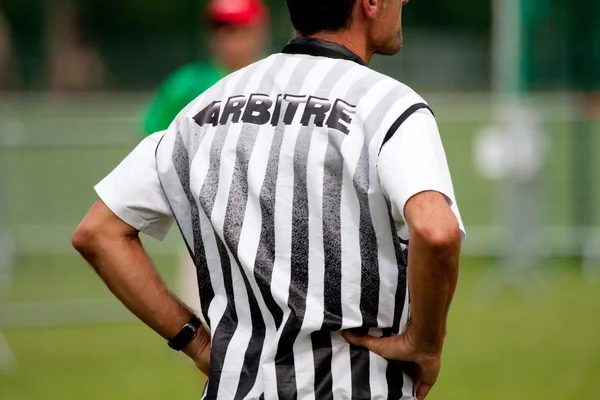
[[133, 35], [561, 44], [142, 41]]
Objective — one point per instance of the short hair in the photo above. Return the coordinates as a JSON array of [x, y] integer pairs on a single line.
[[312, 16]]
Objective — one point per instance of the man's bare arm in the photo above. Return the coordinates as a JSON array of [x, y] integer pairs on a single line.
[[115, 251], [434, 251], [433, 260]]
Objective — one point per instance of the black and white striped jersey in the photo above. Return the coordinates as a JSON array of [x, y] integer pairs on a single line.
[[288, 181]]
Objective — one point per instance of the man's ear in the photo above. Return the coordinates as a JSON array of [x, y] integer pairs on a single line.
[[370, 7]]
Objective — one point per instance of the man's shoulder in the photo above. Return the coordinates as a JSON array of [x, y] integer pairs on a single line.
[[394, 84], [388, 90]]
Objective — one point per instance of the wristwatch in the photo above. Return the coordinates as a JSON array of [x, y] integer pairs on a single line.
[[186, 335]]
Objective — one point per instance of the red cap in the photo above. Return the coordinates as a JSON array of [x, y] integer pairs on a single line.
[[237, 12]]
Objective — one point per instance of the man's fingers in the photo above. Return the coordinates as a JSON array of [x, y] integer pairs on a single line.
[[427, 376], [423, 390], [424, 372], [390, 348]]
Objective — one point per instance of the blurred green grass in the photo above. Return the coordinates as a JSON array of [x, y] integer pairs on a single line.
[[546, 349], [99, 362]]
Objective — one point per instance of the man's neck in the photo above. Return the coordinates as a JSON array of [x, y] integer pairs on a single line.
[[352, 43]]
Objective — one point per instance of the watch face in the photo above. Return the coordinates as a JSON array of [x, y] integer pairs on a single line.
[[188, 332]]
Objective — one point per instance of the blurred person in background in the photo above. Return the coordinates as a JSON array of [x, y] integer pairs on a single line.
[[74, 58], [238, 37]]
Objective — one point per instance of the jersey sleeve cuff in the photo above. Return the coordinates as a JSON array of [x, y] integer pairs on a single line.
[[129, 216]]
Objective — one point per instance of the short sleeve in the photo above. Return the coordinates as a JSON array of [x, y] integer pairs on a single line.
[[414, 161], [134, 194]]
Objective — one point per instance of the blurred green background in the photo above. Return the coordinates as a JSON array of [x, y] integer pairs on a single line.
[[72, 340]]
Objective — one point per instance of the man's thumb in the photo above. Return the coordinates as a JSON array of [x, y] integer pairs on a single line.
[[380, 346]]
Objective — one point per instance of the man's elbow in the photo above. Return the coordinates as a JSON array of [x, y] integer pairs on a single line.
[[100, 231], [444, 237], [84, 238]]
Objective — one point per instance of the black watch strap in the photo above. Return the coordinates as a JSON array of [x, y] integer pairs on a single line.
[[188, 333]]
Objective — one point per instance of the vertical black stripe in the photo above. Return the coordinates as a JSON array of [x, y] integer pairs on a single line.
[[234, 219], [229, 322], [332, 243], [226, 327], [284, 359], [332, 233], [402, 260], [370, 280], [369, 257], [395, 380], [265, 255], [394, 371], [359, 364], [321, 345], [181, 163], [332, 249], [232, 229], [369, 248], [332, 193], [332, 252]]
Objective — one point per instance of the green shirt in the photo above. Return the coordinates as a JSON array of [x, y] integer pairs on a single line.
[[183, 86]]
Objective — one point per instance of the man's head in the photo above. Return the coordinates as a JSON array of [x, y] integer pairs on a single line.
[[377, 23], [238, 31]]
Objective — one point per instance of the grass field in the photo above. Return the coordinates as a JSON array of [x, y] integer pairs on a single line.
[[51, 156], [546, 349]]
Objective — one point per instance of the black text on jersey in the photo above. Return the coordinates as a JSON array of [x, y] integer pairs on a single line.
[[261, 109]]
